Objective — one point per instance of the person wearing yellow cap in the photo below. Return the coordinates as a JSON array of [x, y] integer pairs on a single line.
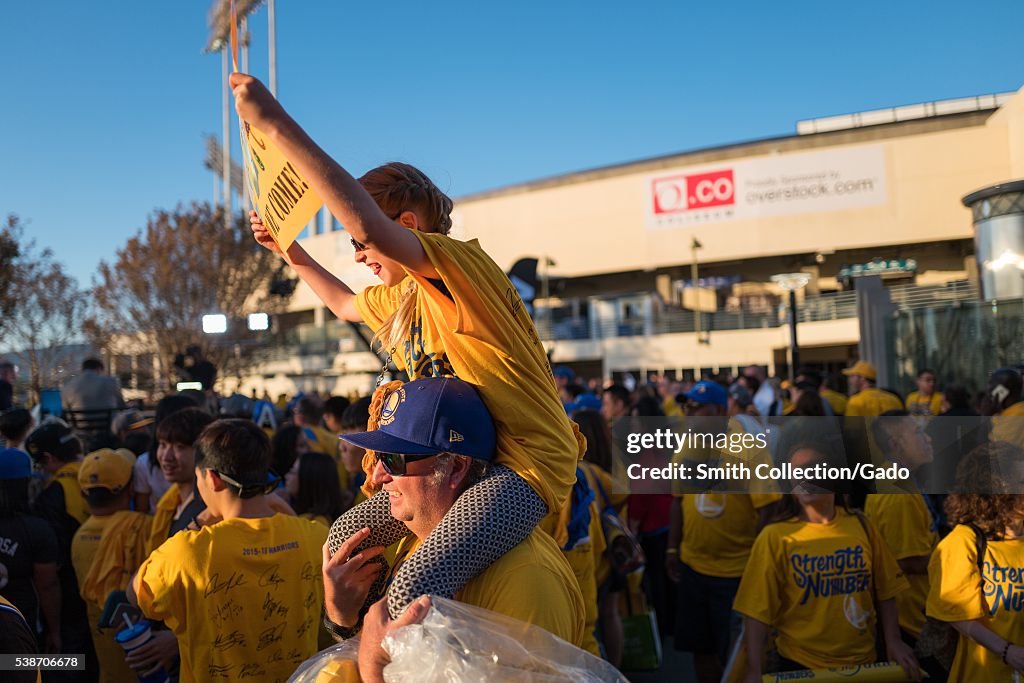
[[866, 400], [108, 547]]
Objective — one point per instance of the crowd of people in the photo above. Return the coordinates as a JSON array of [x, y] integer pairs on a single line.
[[230, 539]]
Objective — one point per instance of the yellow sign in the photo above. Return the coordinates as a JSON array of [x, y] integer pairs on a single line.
[[284, 201]]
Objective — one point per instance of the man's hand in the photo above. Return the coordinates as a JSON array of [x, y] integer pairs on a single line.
[[376, 625], [161, 650], [347, 579], [254, 103]]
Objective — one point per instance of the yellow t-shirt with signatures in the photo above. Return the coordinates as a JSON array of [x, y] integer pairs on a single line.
[[243, 596]]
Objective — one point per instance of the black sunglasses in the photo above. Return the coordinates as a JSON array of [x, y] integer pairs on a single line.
[[248, 491], [395, 463]]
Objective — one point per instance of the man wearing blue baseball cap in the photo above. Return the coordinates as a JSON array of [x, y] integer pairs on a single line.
[[436, 439], [706, 398]]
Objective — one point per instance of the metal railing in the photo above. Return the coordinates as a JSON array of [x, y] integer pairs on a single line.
[[821, 307]]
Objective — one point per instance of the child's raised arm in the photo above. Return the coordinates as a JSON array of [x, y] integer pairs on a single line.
[[344, 196]]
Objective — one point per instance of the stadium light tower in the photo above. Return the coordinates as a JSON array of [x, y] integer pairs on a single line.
[[220, 32]]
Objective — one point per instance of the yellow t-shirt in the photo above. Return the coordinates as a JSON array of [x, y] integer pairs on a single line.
[[74, 502], [1008, 425], [532, 582], [814, 584], [163, 516], [904, 521], [719, 530], [484, 335], [105, 552], [872, 402], [321, 440], [836, 400], [243, 596], [956, 594], [918, 405]]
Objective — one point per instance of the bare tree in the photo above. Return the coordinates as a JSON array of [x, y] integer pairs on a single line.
[[47, 313], [183, 266], [10, 233]]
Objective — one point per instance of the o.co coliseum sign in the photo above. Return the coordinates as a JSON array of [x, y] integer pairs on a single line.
[[768, 186]]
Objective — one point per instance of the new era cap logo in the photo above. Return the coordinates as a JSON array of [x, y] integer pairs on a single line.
[[455, 437]]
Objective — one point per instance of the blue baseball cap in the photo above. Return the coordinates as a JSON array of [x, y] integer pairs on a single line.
[[706, 393], [585, 401], [15, 464], [432, 415], [565, 372]]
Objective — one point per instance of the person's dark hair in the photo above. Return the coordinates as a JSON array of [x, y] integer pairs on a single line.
[[184, 426], [752, 382], [809, 404], [283, 448], [98, 440], [983, 495], [138, 441], [13, 497], [809, 375], [336, 406], [599, 437], [1004, 389], [788, 507], [575, 390], [92, 364], [238, 449], [619, 392], [171, 404], [100, 496], [926, 371], [958, 397], [319, 487], [882, 430], [310, 407], [648, 406], [15, 424], [357, 415], [6, 365]]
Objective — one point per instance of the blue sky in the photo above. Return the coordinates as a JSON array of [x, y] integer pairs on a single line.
[[105, 104]]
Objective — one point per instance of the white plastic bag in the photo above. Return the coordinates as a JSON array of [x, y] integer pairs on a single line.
[[459, 643], [326, 665]]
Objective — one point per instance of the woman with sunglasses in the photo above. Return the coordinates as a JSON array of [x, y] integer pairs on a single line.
[[444, 309], [821, 576]]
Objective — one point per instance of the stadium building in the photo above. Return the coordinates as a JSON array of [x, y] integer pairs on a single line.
[[666, 264]]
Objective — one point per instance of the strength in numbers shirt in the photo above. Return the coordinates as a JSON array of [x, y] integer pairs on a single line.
[[958, 594], [472, 324], [813, 582], [243, 596]]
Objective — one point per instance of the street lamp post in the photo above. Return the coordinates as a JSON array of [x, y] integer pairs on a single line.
[[792, 282]]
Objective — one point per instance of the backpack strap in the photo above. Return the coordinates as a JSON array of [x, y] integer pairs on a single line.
[[980, 546]]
